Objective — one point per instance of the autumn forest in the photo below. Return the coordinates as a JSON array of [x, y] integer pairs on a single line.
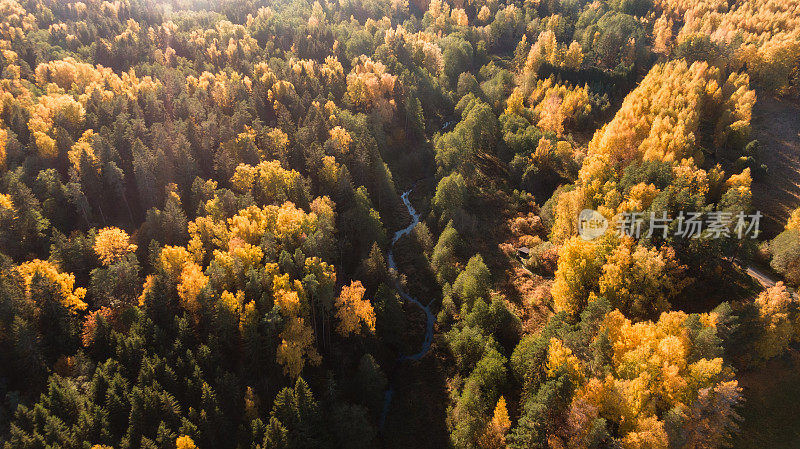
[[478, 224]]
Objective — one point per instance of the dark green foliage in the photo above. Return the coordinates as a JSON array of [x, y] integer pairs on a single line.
[[451, 197], [389, 318], [472, 284], [786, 255], [296, 409], [699, 48], [116, 285], [541, 413], [363, 223], [475, 135], [370, 384], [443, 259], [606, 38], [352, 427], [23, 229], [458, 58]]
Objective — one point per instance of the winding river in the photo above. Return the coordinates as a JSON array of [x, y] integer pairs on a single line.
[[430, 317]]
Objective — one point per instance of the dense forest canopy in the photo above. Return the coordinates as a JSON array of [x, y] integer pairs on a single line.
[[200, 204]]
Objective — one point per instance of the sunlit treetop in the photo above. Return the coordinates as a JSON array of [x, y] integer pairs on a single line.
[[111, 244], [64, 283]]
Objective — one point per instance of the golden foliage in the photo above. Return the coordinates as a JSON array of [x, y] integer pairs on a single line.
[[185, 442], [147, 289], [660, 118], [656, 354], [352, 310], [421, 46], [551, 115], [84, 79], [559, 357], [172, 259], [649, 434], [269, 182], [6, 203], [662, 34], [3, 143], [777, 310], [494, 437], [652, 371], [242, 234], [439, 11], [369, 85], [249, 225], [69, 296], [221, 88], [15, 21], [111, 244], [573, 57], [762, 35], [82, 148], [568, 206], [340, 139], [90, 324], [43, 113], [285, 297], [297, 338], [639, 280], [192, 281], [484, 14], [459, 17], [297, 347], [639, 198], [232, 303], [547, 49], [515, 103], [205, 234], [558, 104], [579, 266], [792, 223], [278, 143]]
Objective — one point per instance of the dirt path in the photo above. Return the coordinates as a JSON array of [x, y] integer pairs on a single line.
[[776, 125], [763, 278]]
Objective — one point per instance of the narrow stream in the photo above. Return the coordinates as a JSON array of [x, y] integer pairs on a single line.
[[426, 344]]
